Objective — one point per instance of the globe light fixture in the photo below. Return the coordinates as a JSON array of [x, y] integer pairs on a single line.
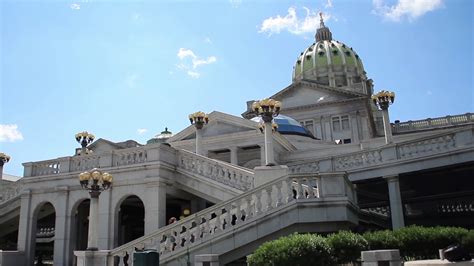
[[267, 109], [95, 181], [383, 100], [84, 138], [199, 119], [4, 158]]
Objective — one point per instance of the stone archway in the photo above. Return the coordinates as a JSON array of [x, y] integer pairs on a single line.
[[79, 228], [43, 234], [130, 220]]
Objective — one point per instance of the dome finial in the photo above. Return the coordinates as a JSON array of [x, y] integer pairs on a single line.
[[323, 33], [321, 20]]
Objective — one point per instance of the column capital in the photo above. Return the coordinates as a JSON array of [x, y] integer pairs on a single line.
[[391, 178]]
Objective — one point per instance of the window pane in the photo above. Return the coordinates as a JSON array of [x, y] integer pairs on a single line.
[[345, 124]]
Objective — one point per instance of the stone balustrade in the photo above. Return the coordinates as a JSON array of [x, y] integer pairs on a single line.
[[431, 123], [225, 173], [122, 157], [411, 149], [243, 209], [10, 192], [45, 232]]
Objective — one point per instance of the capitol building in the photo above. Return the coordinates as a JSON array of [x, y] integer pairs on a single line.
[[318, 156]]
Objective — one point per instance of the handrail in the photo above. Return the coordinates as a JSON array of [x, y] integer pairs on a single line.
[[423, 124], [224, 216], [225, 173]]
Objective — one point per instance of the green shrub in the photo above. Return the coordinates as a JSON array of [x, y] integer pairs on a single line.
[[385, 239], [347, 246], [468, 241], [418, 242], [295, 250]]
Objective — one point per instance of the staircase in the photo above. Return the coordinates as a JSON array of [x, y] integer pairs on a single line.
[[235, 227], [211, 179]]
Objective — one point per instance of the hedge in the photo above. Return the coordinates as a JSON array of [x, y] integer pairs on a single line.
[[295, 250], [414, 242], [347, 246]]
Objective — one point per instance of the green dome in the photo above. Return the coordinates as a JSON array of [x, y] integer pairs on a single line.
[[329, 62]]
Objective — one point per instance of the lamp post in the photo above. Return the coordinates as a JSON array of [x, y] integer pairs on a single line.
[[4, 158], [267, 109], [198, 119], [84, 138], [95, 181], [382, 100]]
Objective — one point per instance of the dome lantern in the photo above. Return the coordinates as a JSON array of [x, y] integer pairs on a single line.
[[323, 33]]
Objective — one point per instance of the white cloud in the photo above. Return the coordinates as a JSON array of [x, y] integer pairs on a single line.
[[292, 23], [208, 40], [183, 53], [141, 131], [410, 9], [209, 60], [193, 74], [190, 62], [10, 133], [328, 4], [235, 3], [75, 6], [131, 80]]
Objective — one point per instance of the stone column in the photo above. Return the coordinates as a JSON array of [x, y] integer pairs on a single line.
[[26, 228], [396, 207], [387, 127], [105, 226], [269, 157], [61, 234], [155, 212], [198, 141], [92, 240], [262, 155], [233, 155]]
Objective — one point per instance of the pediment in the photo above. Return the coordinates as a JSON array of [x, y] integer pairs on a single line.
[[103, 145], [305, 93], [219, 124]]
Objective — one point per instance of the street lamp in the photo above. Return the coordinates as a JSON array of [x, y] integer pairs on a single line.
[[198, 119], [382, 100], [4, 158], [95, 181], [267, 109], [84, 138]]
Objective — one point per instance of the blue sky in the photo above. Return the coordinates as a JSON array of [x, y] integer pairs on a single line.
[[126, 69]]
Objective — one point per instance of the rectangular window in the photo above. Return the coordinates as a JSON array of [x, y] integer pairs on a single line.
[[340, 123], [309, 125]]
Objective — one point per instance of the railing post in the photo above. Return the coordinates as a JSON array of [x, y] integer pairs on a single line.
[[27, 169]]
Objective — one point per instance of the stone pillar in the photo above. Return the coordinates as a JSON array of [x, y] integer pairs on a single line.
[[269, 157], [387, 127], [105, 225], [92, 240], [1, 169], [26, 228], [389, 257], [91, 258], [265, 174], [206, 260], [155, 212], [199, 141], [396, 208], [262, 155], [234, 155], [354, 117], [61, 234]]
